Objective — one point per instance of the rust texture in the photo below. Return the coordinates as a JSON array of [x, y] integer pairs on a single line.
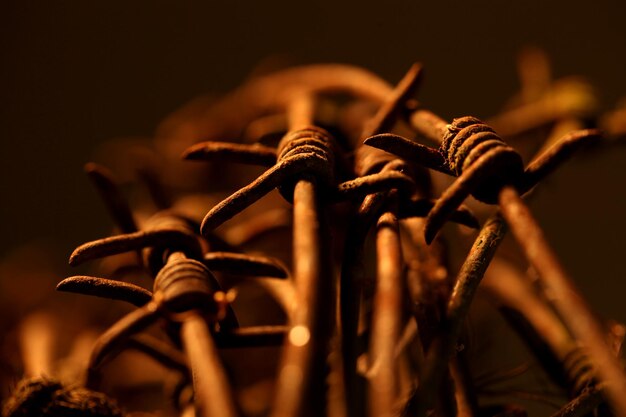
[[295, 266]]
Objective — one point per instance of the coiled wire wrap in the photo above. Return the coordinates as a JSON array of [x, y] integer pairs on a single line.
[[313, 144], [468, 140], [185, 284], [43, 396], [579, 371]]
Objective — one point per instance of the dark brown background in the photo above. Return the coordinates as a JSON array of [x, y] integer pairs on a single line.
[[75, 73]]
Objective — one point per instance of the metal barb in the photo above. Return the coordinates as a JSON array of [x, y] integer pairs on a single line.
[[106, 288]]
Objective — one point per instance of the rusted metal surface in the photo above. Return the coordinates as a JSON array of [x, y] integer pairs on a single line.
[[321, 285], [444, 343], [386, 318]]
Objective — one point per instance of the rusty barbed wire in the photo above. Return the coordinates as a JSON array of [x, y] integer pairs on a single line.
[[371, 312], [492, 172], [317, 153], [184, 291]]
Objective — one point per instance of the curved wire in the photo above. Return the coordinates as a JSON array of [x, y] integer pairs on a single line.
[[106, 288]]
